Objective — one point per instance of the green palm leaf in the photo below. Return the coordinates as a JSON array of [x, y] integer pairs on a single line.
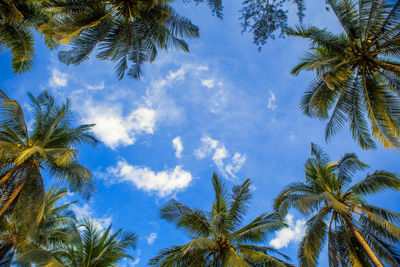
[[218, 239], [357, 72]]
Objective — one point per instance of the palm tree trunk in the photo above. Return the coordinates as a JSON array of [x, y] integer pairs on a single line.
[[363, 243]]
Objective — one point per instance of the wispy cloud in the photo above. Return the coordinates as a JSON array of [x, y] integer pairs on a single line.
[[219, 154], [177, 144], [99, 86], [272, 101], [210, 83], [293, 233], [158, 98], [86, 211], [162, 183], [151, 238], [58, 79], [129, 262]]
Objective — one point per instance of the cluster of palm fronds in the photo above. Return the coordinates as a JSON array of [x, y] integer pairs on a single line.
[[219, 239], [57, 238], [18, 21], [35, 228], [358, 77], [358, 233], [358, 71], [123, 31], [33, 224]]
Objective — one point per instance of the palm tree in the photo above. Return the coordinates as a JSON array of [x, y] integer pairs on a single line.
[[358, 232], [357, 71], [123, 31], [218, 239], [19, 230], [18, 21], [50, 145], [86, 245]]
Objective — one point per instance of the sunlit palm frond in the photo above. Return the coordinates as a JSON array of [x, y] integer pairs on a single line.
[[218, 236], [360, 67], [340, 214]]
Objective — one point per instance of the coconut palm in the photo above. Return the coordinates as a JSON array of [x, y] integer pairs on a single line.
[[18, 21], [123, 31], [359, 234], [49, 145], [218, 237], [20, 230], [357, 71], [86, 245]]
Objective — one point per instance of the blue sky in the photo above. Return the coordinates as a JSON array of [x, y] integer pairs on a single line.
[[224, 107]]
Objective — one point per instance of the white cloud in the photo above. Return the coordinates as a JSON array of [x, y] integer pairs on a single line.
[[113, 128], [237, 163], [292, 136], [58, 79], [210, 83], [218, 100], [162, 183], [82, 212], [104, 221], [177, 144], [157, 97], [129, 262], [208, 145], [150, 238], [177, 75], [293, 233], [99, 86], [87, 212], [271, 101], [219, 153]]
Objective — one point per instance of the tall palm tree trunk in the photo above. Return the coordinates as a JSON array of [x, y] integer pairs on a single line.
[[364, 244]]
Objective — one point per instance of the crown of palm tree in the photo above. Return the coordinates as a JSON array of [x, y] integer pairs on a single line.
[[50, 145], [85, 245], [20, 229], [218, 239], [358, 233], [358, 71], [18, 20], [123, 31]]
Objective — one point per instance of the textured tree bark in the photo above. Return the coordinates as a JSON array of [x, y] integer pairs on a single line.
[[364, 244]]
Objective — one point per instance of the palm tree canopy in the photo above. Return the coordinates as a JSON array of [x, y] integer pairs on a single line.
[[22, 226], [336, 206], [357, 71], [122, 31], [218, 237], [49, 144], [18, 21], [86, 245]]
